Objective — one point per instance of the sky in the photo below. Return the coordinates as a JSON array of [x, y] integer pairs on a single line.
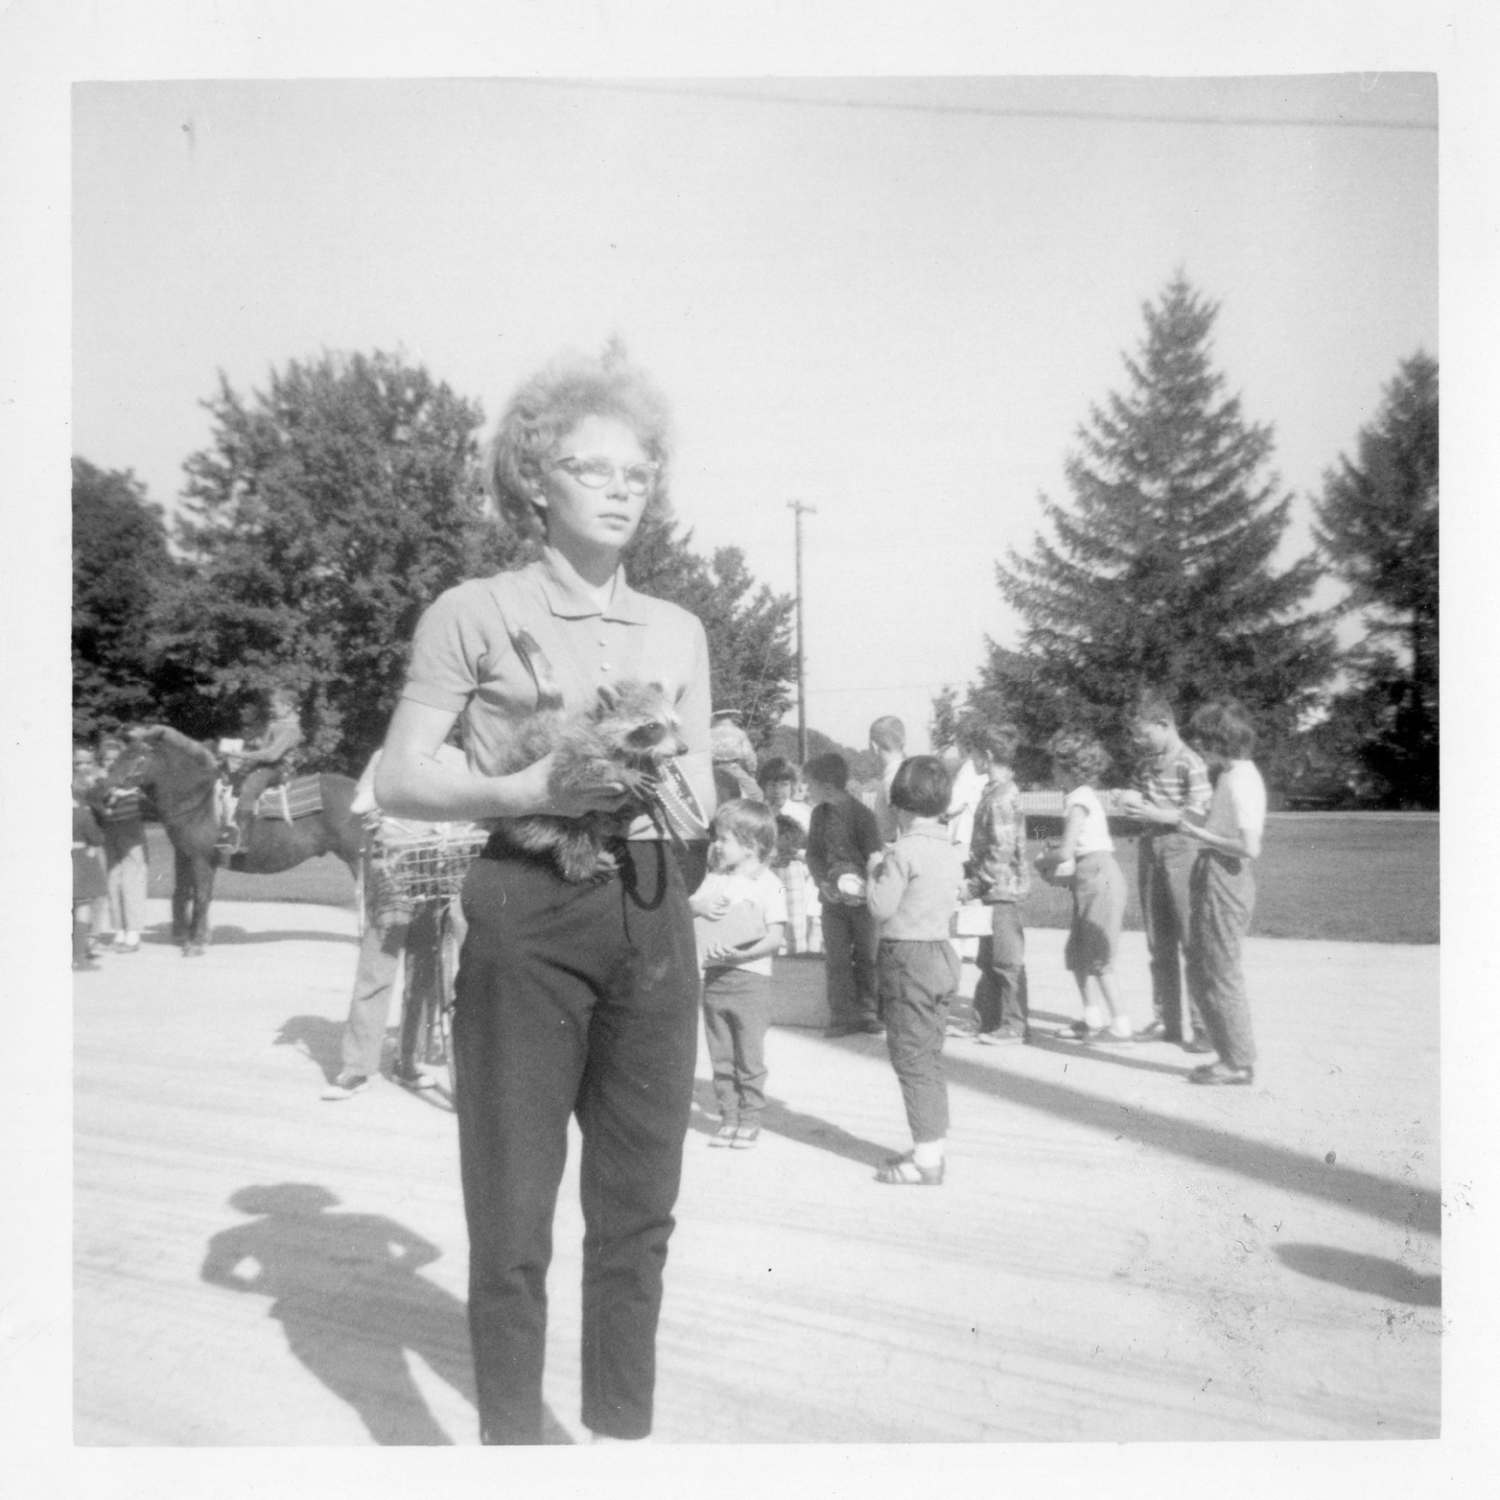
[[893, 299]]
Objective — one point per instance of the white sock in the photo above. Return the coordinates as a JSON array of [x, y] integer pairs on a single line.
[[928, 1153], [1093, 1016]]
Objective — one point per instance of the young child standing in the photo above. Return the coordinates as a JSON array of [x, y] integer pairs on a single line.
[[841, 837], [1086, 856], [913, 893], [1224, 887], [999, 877], [737, 979]]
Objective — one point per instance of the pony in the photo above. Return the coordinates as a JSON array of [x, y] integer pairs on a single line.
[[179, 775]]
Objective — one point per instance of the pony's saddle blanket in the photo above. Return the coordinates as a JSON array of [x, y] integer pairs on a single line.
[[298, 798]]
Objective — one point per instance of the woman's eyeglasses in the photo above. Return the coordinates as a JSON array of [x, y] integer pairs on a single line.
[[595, 473]]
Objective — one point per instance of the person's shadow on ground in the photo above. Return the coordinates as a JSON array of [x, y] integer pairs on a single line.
[[809, 1130], [346, 1288], [318, 1037]]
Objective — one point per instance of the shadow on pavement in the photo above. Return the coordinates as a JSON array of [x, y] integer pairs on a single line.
[[1383, 1278], [1380, 1197], [318, 1037], [807, 1130], [230, 936], [346, 1289]]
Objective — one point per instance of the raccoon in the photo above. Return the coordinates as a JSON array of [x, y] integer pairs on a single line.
[[625, 738]]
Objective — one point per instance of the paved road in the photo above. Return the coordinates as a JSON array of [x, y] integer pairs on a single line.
[[1116, 1256]]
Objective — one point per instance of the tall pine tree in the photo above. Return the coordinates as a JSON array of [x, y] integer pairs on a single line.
[[1378, 524], [1161, 575]]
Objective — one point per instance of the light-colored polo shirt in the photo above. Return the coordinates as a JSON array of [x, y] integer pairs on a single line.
[[464, 661]]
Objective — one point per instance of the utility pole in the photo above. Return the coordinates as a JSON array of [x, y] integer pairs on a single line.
[[800, 510]]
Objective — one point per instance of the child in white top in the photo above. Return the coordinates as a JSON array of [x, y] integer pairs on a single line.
[[1086, 856], [737, 977]]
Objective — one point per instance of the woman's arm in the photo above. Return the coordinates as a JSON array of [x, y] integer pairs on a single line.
[[1072, 827], [1239, 845], [411, 782]]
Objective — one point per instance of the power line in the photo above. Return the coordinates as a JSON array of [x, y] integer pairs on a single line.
[[1102, 117]]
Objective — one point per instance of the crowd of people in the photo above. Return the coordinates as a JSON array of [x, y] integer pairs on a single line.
[[578, 999]]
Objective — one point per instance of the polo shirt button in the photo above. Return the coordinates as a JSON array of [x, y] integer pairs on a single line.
[[604, 666]]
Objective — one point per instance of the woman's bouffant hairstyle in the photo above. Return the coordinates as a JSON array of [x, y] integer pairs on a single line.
[[1078, 755], [1223, 728], [548, 406], [752, 823], [922, 786]]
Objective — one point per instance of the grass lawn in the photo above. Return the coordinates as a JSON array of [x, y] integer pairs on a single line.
[[1343, 877]]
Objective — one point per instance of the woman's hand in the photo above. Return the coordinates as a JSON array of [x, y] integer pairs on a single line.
[[571, 802]]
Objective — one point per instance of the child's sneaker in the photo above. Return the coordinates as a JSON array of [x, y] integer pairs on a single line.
[[724, 1135], [745, 1137]]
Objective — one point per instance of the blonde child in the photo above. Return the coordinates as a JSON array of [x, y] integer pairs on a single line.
[[1086, 858], [912, 893], [737, 978]]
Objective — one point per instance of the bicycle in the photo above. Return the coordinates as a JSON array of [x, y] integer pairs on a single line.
[[425, 874]]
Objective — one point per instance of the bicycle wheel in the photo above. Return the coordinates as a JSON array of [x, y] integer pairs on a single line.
[[447, 978]]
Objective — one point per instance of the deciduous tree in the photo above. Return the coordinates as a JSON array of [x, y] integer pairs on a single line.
[[120, 564]]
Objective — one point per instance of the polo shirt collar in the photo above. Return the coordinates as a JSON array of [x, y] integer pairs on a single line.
[[570, 599]]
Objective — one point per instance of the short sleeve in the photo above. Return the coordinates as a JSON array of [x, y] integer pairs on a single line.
[[447, 653], [773, 899]]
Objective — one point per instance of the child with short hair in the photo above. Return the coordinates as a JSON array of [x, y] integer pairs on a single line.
[[777, 777], [1086, 857], [1170, 781], [737, 977], [842, 835], [999, 877], [1224, 887], [913, 893]]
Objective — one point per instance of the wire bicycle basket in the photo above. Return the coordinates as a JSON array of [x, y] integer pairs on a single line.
[[430, 867]]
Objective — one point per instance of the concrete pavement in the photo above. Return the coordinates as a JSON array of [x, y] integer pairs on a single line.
[[1116, 1256]]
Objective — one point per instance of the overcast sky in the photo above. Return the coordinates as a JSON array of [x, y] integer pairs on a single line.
[[892, 299]]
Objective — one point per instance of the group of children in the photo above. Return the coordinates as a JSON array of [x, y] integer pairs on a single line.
[[109, 858], [891, 877]]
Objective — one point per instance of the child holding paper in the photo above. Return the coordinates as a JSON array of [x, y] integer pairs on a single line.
[[740, 898]]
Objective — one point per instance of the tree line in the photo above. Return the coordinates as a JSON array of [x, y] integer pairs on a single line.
[[330, 508]]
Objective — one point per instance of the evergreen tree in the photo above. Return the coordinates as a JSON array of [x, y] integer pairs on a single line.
[[1161, 575], [327, 513], [1378, 525], [120, 564]]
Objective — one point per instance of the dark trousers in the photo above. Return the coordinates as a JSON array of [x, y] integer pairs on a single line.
[[851, 938], [572, 1000], [1165, 888], [1000, 999], [736, 1013], [1223, 901], [918, 980]]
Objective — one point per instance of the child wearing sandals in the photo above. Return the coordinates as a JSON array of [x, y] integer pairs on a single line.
[[913, 891], [1086, 857], [737, 979]]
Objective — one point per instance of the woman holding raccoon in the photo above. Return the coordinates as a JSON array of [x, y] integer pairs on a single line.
[[577, 988]]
